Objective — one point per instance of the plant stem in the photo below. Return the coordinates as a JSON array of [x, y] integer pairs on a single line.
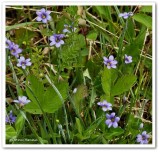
[[62, 100]]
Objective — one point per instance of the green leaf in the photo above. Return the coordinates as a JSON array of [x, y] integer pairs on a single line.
[[144, 19], [108, 77], [19, 123], [20, 25], [48, 100], [51, 102], [113, 132], [78, 97], [123, 84], [46, 32], [10, 132], [37, 90], [130, 29], [141, 37], [146, 9], [79, 126], [92, 35]]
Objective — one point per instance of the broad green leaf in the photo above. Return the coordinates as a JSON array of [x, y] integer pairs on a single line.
[[19, 123], [146, 9], [34, 91], [108, 77], [20, 25], [144, 19], [78, 97], [113, 132], [123, 84], [51, 101], [10, 132], [48, 100]]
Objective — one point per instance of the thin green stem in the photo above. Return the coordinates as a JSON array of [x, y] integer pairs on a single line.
[[62, 100]]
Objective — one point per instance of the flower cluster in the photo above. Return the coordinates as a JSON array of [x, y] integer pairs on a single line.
[[112, 120], [43, 15], [56, 39], [10, 118], [112, 63], [15, 51], [125, 15], [14, 48], [22, 100]]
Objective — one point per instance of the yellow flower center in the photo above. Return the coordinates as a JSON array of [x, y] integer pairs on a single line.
[[43, 16]]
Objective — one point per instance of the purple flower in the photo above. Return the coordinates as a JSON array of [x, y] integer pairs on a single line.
[[22, 100], [56, 40], [43, 15], [10, 118], [14, 49], [128, 59], [112, 120], [105, 105], [8, 43], [143, 138], [22, 62], [125, 15], [110, 63]]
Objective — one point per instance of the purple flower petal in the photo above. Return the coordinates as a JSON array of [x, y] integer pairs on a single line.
[[117, 119], [39, 19], [115, 125], [104, 108], [111, 57], [113, 114], [110, 124], [108, 121]]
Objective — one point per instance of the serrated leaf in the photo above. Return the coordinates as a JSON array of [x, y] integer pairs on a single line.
[[123, 84], [10, 132], [144, 19], [19, 123]]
